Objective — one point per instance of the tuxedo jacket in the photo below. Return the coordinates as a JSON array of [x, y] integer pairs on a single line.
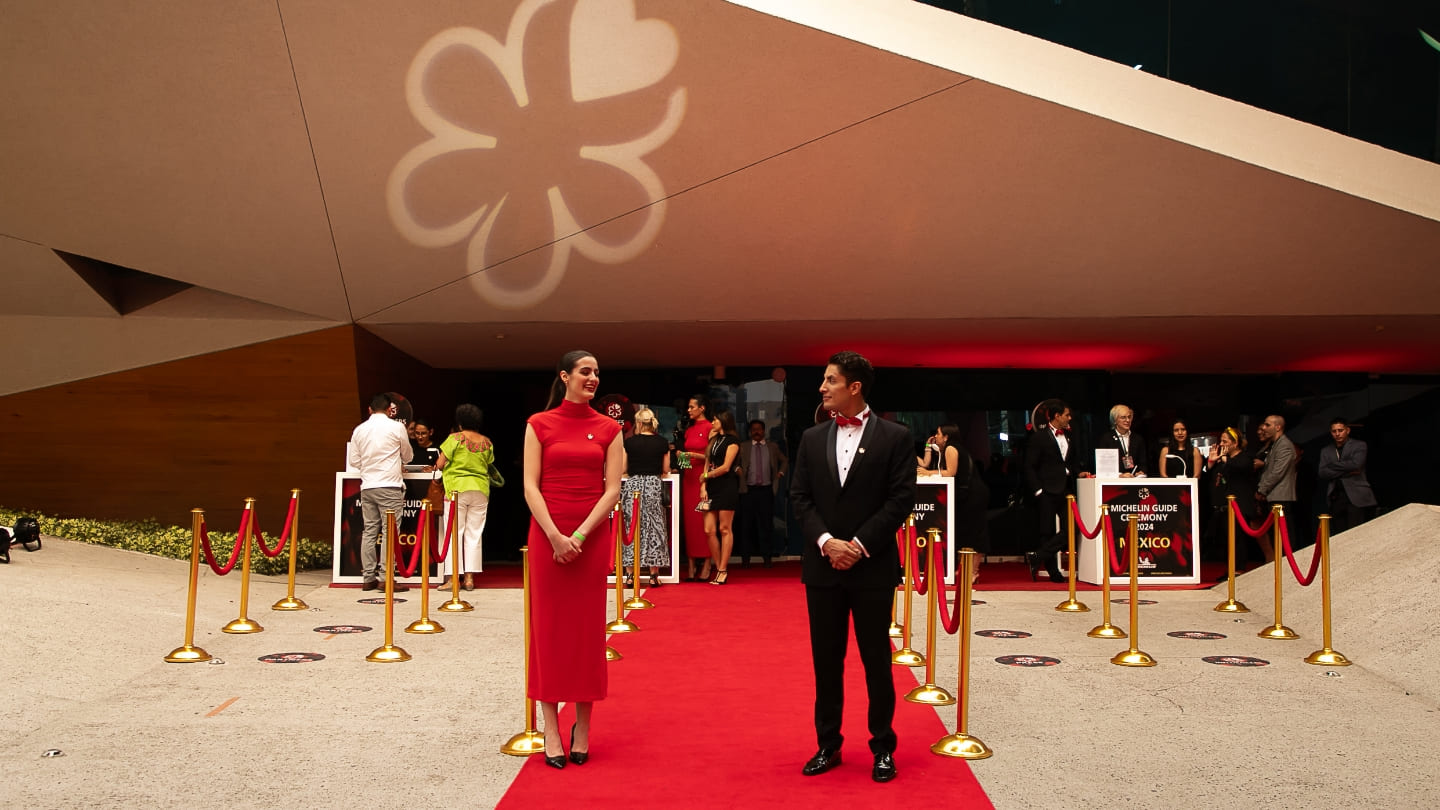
[[878, 494], [1139, 453], [1045, 469], [1337, 464], [776, 463]]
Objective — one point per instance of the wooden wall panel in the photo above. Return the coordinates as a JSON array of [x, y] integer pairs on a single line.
[[206, 431]]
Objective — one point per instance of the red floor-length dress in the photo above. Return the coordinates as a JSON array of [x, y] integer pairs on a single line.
[[697, 440], [567, 602]]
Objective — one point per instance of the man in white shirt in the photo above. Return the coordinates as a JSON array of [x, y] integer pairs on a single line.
[[379, 449]]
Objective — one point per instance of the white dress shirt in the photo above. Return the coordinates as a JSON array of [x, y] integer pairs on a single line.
[[379, 449], [847, 445]]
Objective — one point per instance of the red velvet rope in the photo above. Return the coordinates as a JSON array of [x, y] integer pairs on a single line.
[[1116, 565], [284, 534], [408, 569], [1240, 519], [1089, 534], [1290, 556], [629, 539], [229, 565], [449, 533], [918, 575], [950, 621]]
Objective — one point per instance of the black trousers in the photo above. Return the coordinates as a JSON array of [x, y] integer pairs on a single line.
[[757, 517], [831, 610], [1344, 514], [1050, 508]]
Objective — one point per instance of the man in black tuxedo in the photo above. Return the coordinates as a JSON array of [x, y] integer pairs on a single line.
[[1049, 471], [852, 486]]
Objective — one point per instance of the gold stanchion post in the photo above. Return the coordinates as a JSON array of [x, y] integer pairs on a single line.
[[1134, 657], [1326, 656], [290, 602], [621, 624], [188, 653], [1071, 605], [388, 653], [897, 630], [636, 601], [424, 624], [1230, 605], [457, 562], [530, 741], [243, 623], [960, 744], [905, 656], [928, 693], [1105, 629], [1278, 630]]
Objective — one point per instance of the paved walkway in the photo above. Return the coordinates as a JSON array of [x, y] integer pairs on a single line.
[[85, 630]]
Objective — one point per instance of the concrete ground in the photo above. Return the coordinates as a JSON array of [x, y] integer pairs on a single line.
[[85, 629]]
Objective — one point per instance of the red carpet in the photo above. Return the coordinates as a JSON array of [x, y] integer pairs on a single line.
[[712, 707]]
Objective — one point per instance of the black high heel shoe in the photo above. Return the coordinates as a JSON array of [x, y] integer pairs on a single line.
[[557, 761], [577, 757]]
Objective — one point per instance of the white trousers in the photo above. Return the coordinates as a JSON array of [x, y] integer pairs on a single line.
[[470, 511]]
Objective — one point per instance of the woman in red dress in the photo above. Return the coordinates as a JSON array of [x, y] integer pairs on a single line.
[[573, 460], [697, 441]]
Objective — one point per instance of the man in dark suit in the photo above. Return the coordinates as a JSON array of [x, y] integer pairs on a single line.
[[1134, 457], [1342, 473], [853, 485], [761, 465], [1049, 472]]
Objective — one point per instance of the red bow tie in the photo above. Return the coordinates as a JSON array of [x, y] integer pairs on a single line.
[[1059, 432], [843, 421]]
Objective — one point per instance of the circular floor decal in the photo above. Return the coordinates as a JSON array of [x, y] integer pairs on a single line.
[[1235, 661], [1002, 633], [1027, 660], [291, 658], [379, 600], [343, 628], [1198, 635], [1126, 601]]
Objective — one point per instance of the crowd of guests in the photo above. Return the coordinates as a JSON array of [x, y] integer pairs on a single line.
[[1260, 475]]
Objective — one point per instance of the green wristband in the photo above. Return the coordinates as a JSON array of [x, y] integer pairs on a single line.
[[578, 535]]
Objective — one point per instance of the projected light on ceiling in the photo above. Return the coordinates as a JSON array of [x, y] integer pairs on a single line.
[[612, 54]]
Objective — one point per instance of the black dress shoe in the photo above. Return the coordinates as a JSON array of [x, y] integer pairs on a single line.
[[824, 760], [1032, 558], [884, 769], [1056, 576]]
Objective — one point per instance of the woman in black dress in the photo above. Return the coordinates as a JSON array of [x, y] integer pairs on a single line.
[[1232, 472], [972, 494], [720, 483], [1177, 458]]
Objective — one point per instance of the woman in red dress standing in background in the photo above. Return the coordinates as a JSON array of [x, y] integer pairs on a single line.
[[573, 460], [697, 441]]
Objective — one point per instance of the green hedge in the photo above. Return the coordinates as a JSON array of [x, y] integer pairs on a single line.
[[151, 537]]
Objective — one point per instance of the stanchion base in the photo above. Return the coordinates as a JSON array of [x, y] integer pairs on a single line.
[[612, 654], [1133, 658], [1072, 605], [621, 626], [242, 625], [961, 746], [424, 626], [639, 603], [1325, 657], [930, 695], [1278, 631], [388, 654], [456, 606], [1231, 606], [194, 655], [897, 630], [524, 744], [906, 657], [1106, 630], [290, 603]]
